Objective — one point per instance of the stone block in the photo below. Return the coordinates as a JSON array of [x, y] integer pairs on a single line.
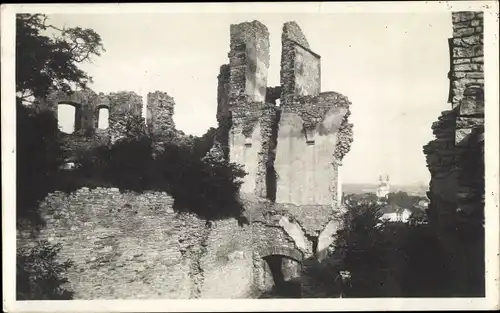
[[475, 75], [461, 61], [469, 122], [458, 17], [462, 136], [472, 40], [467, 67], [462, 32]]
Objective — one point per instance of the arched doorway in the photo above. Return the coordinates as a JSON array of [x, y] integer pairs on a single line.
[[67, 117], [103, 117], [281, 276]]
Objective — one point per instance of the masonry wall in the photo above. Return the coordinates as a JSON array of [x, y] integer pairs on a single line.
[[456, 160], [123, 245], [309, 126], [466, 53], [249, 60], [307, 70], [245, 150], [160, 112], [248, 64], [300, 67], [228, 262], [129, 245]]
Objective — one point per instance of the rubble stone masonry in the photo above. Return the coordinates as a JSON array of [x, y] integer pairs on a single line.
[[456, 159]]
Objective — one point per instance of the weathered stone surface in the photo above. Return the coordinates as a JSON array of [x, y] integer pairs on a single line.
[[227, 263], [292, 31], [307, 178], [253, 127], [456, 157], [249, 61], [160, 112], [294, 231], [458, 17], [300, 73], [467, 53], [327, 237], [137, 233]]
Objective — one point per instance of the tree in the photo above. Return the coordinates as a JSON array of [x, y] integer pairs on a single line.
[[203, 144], [44, 63], [364, 248], [39, 275], [38, 156]]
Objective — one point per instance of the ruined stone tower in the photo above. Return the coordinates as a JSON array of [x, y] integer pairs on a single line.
[[159, 118], [456, 159], [291, 153]]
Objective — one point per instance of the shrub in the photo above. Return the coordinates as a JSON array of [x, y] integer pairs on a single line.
[[209, 189], [40, 276], [38, 156]]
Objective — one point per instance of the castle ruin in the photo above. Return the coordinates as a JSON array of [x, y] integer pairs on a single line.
[[292, 193]]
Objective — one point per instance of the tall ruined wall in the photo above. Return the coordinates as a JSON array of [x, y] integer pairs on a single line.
[[160, 112], [300, 66], [159, 119], [307, 136], [248, 64], [125, 108], [456, 159], [249, 61], [307, 158], [311, 176]]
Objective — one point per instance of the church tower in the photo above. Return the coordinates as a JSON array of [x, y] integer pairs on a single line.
[[383, 187]]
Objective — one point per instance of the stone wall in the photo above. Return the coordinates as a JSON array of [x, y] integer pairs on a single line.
[[300, 66], [456, 160], [228, 261], [466, 53], [307, 72], [124, 245], [123, 107], [133, 245], [249, 61], [309, 125], [160, 112], [250, 133], [159, 118]]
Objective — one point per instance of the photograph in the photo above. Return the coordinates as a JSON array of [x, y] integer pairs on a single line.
[[248, 152]]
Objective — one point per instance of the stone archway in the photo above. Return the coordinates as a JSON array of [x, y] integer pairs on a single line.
[[277, 271], [68, 117], [102, 113]]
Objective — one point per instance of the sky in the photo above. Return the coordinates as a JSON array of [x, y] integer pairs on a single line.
[[392, 66]]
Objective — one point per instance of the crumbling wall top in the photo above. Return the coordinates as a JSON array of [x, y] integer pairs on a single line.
[[292, 31], [126, 101], [243, 32], [85, 97]]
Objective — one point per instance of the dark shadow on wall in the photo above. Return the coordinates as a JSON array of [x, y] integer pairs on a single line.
[[285, 274], [271, 174]]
